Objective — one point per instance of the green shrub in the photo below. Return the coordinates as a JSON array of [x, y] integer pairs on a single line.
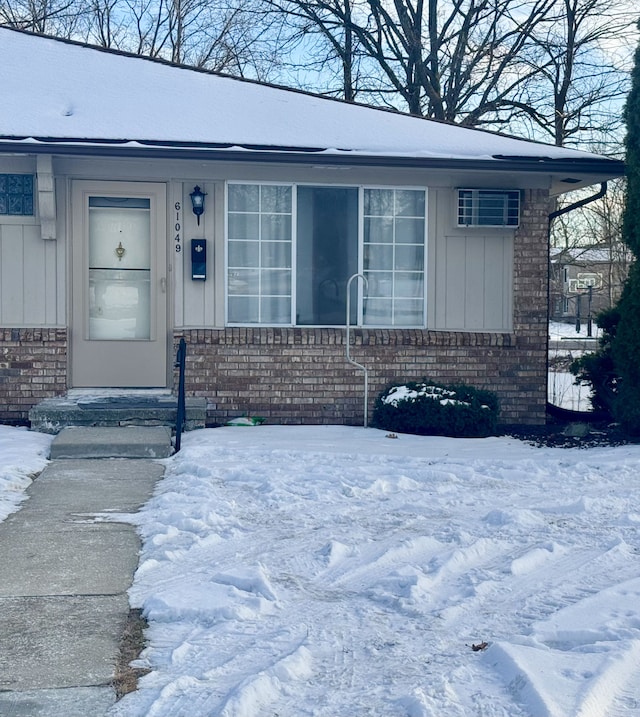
[[431, 409]]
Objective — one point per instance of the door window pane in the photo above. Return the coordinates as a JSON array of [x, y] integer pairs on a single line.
[[119, 268]]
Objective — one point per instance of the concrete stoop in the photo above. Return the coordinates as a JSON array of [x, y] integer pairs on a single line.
[[110, 442], [53, 414]]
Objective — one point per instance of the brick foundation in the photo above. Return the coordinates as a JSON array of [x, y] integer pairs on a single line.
[[302, 376], [33, 366]]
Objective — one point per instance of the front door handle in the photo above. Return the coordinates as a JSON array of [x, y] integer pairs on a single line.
[[163, 285]]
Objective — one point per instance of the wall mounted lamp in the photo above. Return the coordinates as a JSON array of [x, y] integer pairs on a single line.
[[197, 201]]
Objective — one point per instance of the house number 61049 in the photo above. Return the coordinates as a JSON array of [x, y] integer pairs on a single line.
[[177, 227]]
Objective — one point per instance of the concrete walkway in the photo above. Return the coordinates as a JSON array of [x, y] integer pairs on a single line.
[[64, 576]]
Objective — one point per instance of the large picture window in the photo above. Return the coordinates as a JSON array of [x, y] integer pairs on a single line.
[[291, 251]]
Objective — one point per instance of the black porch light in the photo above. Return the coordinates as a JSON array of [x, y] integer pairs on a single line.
[[197, 201]]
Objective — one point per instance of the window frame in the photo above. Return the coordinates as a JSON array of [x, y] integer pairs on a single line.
[[294, 245], [293, 215], [392, 270]]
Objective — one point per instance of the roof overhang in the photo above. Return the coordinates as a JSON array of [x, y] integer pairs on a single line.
[[566, 173]]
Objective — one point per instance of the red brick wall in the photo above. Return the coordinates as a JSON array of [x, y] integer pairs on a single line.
[[302, 376], [33, 366]]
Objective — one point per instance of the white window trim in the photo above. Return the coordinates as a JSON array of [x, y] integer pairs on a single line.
[[294, 244], [362, 270]]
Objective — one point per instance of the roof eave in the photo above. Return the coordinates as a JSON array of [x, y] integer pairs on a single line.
[[121, 148]]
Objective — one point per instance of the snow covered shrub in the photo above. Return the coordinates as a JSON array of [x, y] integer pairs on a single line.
[[431, 409]]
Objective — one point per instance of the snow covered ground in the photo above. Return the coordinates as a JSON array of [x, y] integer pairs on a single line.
[[22, 455], [341, 572]]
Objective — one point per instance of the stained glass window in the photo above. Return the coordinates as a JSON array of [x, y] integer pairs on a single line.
[[16, 194]]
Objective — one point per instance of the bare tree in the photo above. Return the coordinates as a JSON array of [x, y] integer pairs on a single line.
[[541, 67], [210, 34], [581, 75], [54, 17]]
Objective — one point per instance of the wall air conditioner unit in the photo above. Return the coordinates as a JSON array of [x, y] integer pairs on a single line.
[[488, 207]]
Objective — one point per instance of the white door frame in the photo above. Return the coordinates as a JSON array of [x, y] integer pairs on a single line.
[[126, 363]]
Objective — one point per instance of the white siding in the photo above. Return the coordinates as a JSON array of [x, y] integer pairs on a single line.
[[471, 274], [27, 277], [469, 271]]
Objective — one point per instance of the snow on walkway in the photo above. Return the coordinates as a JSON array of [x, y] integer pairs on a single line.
[[339, 572], [22, 456]]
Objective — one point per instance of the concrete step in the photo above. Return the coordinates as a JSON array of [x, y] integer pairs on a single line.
[[111, 442], [54, 414]]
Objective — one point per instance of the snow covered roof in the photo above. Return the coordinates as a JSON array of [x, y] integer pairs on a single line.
[[63, 93], [618, 252]]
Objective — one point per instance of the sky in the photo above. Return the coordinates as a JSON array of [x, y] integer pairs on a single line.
[[338, 571]]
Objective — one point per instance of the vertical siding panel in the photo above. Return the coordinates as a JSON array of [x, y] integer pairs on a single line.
[[56, 259], [495, 282], [474, 287], [12, 275], [53, 282], [34, 276], [507, 304], [455, 282], [438, 272]]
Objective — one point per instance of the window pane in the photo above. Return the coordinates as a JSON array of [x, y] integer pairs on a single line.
[[378, 311], [407, 313], [243, 253], [243, 281], [275, 310], [243, 226], [276, 226], [378, 230], [244, 197], [380, 284], [275, 254], [409, 257], [327, 254], [408, 284], [244, 310], [409, 203], [378, 257], [378, 202], [275, 282], [410, 231], [276, 199]]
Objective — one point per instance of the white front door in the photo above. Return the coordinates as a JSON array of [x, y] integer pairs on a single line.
[[119, 288]]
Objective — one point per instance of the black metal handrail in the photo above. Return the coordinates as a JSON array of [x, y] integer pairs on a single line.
[[181, 412]]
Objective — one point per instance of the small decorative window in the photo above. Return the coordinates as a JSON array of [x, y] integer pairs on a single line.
[[488, 208], [16, 194]]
